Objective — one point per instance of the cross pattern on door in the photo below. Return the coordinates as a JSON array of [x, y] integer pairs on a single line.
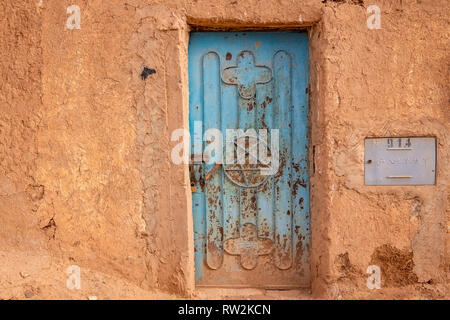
[[249, 246], [246, 75]]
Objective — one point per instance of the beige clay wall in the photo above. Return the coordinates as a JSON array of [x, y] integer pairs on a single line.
[[85, 171]]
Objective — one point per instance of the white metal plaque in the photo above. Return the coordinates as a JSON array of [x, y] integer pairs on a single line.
[[400, 161]]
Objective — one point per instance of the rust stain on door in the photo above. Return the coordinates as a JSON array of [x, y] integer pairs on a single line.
[[251, 229]]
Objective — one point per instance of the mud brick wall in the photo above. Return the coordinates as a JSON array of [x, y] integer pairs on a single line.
[[85, 170]]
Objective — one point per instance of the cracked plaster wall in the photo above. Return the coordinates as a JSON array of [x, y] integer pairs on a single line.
[[85, 168]]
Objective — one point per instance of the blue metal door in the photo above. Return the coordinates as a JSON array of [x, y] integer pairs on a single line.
[[250, 229]]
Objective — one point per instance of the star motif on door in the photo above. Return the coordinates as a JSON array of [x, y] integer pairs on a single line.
[[248, 246], [246, 75], [249, 171]]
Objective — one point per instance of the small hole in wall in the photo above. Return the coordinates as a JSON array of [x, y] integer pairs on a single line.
[[146, 72]]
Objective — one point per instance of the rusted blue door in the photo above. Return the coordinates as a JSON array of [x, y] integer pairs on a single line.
[[251, 227]]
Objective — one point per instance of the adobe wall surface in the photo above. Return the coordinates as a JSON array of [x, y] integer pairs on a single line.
[[85, 171]]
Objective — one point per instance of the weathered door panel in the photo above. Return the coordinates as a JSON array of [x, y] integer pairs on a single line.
[[251, 230]]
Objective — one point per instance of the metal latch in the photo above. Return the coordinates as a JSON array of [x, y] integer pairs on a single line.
[[198, 159]]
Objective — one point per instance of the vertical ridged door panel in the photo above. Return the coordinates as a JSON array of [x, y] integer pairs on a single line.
[[250, 230]]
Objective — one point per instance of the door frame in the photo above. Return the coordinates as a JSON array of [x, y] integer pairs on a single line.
[[175, 198]]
